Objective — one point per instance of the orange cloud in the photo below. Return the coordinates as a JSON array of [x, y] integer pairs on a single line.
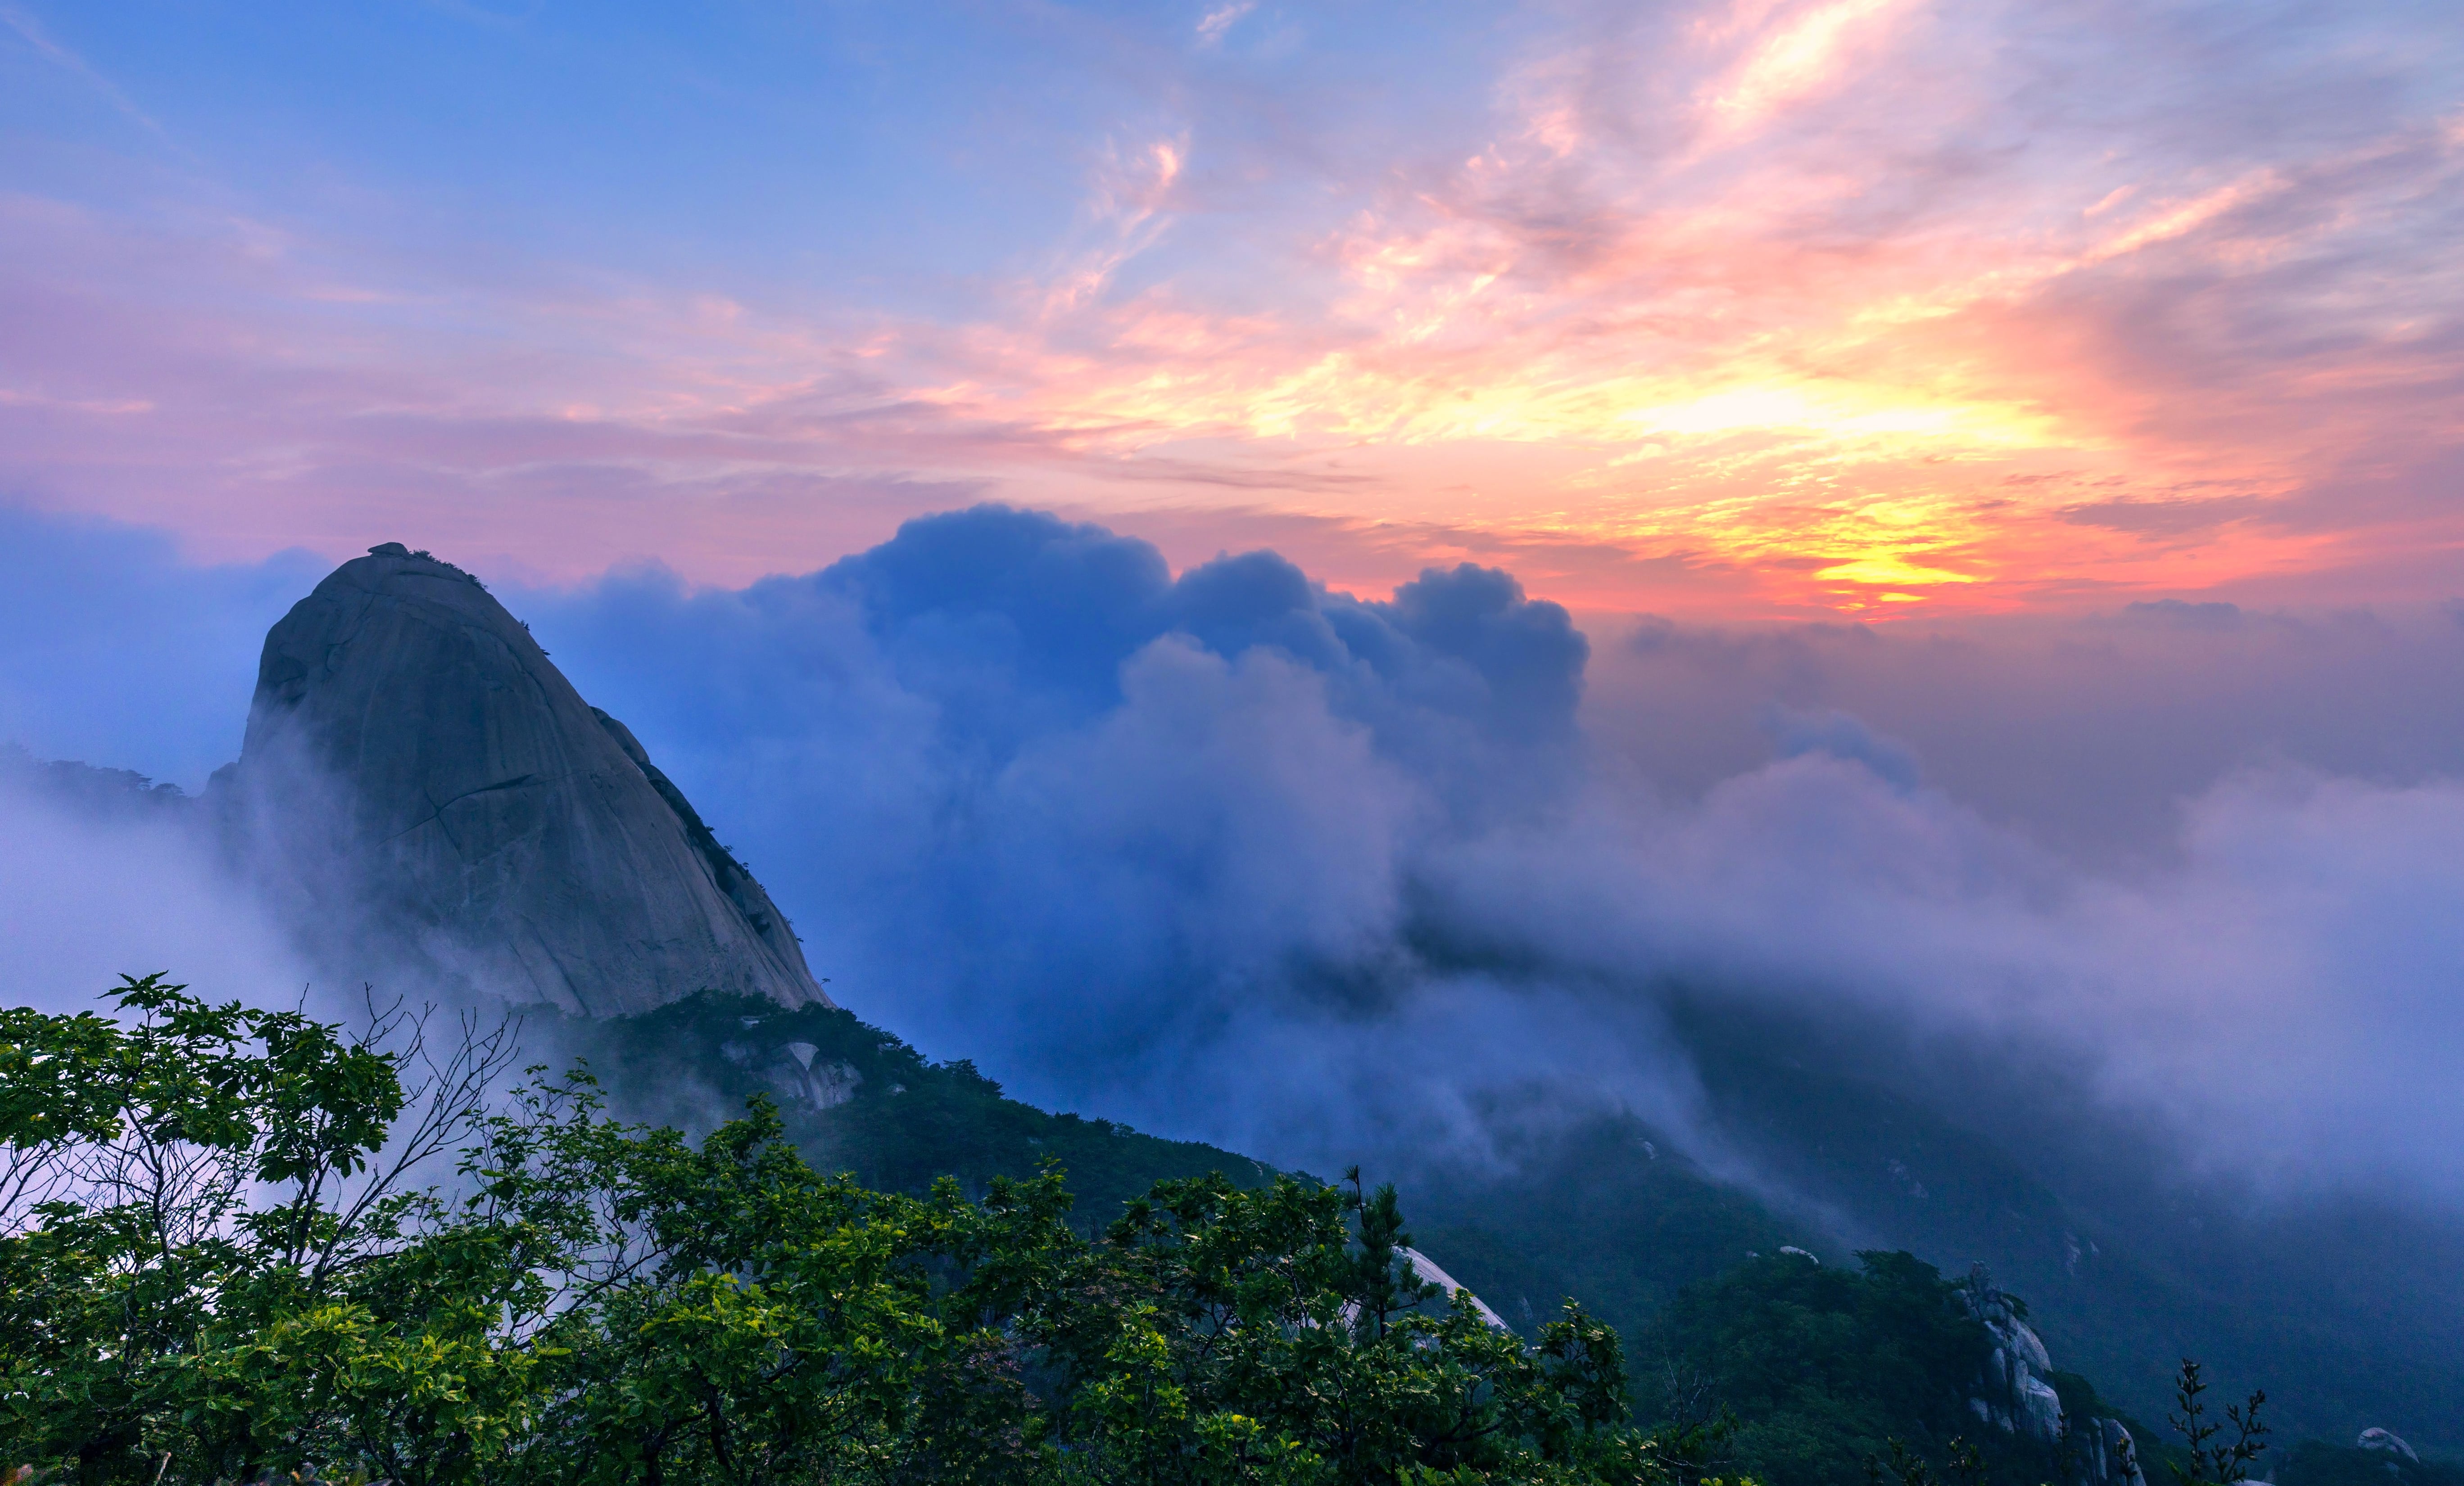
[[1673, 353], [1782, 298]]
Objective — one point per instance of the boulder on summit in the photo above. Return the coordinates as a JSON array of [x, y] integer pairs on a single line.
[[431, 785]]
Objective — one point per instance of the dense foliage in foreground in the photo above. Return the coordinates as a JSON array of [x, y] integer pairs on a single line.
[[222, 1261], [1819, 1371]]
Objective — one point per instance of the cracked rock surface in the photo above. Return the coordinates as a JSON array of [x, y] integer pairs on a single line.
[[434, 784]]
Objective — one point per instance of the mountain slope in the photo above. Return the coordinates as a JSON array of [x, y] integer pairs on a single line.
[[431, 789], [856, 1098]]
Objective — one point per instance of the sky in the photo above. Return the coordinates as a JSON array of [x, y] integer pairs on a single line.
[[1737, 311]]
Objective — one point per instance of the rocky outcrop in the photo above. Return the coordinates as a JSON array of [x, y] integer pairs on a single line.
[[2013, 1393], [2016, 1394], [2386, 1442], [794, 1073], [429, 784], [1428, 1272], [2107, 1455]]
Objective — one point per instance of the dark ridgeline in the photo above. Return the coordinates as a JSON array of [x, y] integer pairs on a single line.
[[432, 788]]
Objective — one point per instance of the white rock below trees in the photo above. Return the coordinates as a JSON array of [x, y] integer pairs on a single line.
[[2015, 1393]]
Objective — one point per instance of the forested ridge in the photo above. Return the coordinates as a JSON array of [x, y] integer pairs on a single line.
[[224, 1262], [244, 1245]]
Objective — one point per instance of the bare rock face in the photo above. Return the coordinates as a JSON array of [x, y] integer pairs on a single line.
[[2386, 1442], [435, 786], [2015, 1395]]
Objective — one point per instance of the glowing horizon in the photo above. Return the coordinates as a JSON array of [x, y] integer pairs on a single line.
[[1851, 307]]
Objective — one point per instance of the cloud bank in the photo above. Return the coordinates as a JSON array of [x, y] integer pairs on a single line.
[[1241, 858], [115, 650], [1235, 857], [113, 886]]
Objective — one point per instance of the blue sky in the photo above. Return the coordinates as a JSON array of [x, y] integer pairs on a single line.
[[1739, 309], [904, 154]]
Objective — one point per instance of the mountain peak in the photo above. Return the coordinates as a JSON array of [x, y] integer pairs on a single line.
[[439, 787]]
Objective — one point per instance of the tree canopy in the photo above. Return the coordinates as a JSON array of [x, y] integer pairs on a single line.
[[235, 1243]]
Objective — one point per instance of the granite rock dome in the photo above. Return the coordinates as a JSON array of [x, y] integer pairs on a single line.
[[437, 789]]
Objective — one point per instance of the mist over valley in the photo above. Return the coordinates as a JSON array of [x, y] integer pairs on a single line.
[[1626, 953]]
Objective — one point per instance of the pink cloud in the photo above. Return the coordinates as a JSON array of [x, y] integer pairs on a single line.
[[1785, 294]]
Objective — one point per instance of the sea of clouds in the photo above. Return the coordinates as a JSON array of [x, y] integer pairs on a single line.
[[1234, 857]]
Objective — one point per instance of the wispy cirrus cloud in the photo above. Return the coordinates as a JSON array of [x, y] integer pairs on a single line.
[[1212, 26], [31, 32], [1864, 303]]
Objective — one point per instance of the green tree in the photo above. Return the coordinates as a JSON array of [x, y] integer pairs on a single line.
[[1829, 1372], [2216, 1454], [232, 1248]]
